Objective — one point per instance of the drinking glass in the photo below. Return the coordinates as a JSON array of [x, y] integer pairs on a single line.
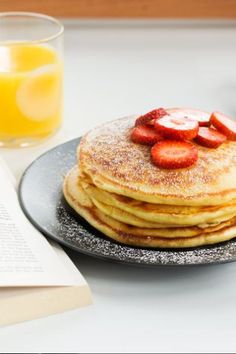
[[31, 75]]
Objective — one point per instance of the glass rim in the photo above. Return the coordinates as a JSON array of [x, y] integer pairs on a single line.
[[35, 15]]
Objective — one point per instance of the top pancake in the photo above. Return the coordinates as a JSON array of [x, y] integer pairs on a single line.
[[115, 164]]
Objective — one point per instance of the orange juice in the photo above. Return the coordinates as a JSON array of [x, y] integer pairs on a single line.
[[30, 92]]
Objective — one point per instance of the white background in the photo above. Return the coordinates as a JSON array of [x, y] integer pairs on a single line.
[[112, 70]]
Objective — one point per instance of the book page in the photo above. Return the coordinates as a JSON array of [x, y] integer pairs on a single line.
[[26, 257]]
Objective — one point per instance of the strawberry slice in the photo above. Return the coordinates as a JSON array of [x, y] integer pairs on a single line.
[[172, 154], [224, 124], [209, 137], [176, 128], [202, 117], [145, 135], [150, 116]]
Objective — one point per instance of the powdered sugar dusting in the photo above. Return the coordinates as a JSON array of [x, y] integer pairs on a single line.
[[109, 151]]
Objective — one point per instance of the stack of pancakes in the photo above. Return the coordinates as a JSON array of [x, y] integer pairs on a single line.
[[120, 192]]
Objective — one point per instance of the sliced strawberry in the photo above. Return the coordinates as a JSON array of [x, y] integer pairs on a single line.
[[174, 154], [202, 117], [224, 124], [209, 137], [150, 116], [176, 128], [145, 135]]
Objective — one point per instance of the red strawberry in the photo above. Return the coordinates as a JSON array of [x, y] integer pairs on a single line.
[[176, 128], [224, 124], [144, 135], [150, 116], [209, 137], [171, 154], [202, 117]]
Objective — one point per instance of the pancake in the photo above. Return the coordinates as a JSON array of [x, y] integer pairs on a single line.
[[117, 165], [164, 214], [120, 192], [125, 217], [80, 196], [127, 234], [169, 230]]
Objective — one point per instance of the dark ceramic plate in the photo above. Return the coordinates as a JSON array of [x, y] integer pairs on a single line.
[[43, 203]]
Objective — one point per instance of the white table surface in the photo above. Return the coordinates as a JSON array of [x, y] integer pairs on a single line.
[[112, 70]]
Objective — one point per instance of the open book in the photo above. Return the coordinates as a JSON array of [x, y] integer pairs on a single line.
[[37, 278]]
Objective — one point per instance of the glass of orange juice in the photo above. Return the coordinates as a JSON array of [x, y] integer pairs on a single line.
[[31, 74]]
